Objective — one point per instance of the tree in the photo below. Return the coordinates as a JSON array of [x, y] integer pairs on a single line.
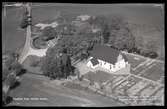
[[106, 33], [46, 63], [17, 67], [139, 42], [5, 73], [11, 63], [56, 65], [5, 94], [24, 23], [69, 66], [35, 63], [121, 36], [152, 45], [102, 23], [8, 81], [148, 49], [11, 68], [48, 33], [90, 78], [77, 72]]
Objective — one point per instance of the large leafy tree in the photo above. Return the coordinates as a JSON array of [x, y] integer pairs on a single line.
[[11, 63], [57, 65], [11, 68], [106, 33], [48, 33], [24, 22], [121, 36], [124, 40], [103, 23]]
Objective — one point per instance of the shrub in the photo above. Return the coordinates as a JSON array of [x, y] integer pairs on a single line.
[[48, 33], [56, 66], [24, 23], [153, 55]]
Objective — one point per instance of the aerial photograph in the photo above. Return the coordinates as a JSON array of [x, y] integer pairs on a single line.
[[82, 55]]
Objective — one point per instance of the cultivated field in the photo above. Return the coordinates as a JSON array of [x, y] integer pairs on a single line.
[[147, 68]]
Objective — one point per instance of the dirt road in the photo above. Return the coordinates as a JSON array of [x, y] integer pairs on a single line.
[[38, 87]]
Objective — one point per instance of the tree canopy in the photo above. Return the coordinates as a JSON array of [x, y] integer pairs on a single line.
[[24, 22], [48, 33], [56, 65], [11, 68], [10, 64]]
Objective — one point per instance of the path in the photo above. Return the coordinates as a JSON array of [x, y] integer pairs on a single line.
[[27, 49], [28, 38]]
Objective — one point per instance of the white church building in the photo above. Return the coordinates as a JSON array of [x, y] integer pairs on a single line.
[[108, 58]]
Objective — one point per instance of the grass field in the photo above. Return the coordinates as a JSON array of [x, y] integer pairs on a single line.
[[134, 61], [12, 38], [99, 76], [28, 62]]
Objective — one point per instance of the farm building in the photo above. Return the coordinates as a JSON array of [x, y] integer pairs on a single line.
[[107, 58], [83, 17]]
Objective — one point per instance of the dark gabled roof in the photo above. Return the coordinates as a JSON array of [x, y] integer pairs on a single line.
[[105, 53], [94, 61]]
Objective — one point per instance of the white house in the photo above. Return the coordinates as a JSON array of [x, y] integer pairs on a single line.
[[107, 58]]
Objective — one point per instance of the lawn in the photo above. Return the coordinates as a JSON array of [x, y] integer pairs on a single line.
[[134, 61], [28, 64], [39, 43]]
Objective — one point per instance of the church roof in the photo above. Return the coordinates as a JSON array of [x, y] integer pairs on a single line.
[[105, 53]]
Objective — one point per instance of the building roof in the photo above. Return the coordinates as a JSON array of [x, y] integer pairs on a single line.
[[124, 56], [94, 61], [105, 53]]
